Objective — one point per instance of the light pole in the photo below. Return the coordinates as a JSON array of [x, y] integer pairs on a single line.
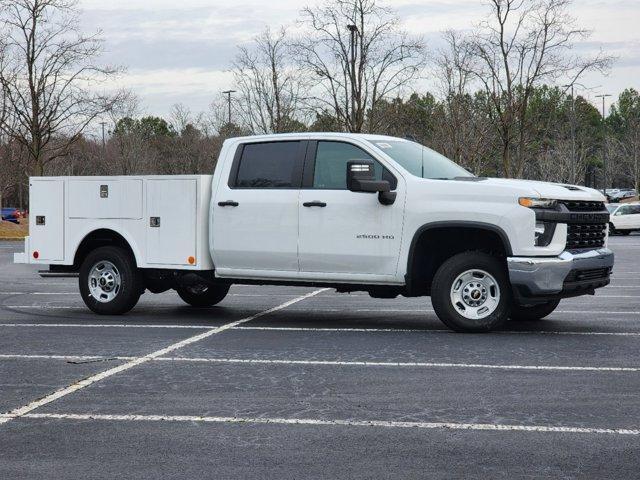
[[353, 30], [604, 145], [573, 134], [103, 140], [228, 94]]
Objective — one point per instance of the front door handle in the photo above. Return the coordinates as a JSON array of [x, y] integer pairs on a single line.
[[315, 203], [228, 203]]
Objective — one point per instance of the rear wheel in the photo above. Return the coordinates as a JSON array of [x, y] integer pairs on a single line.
[[110, 283], [203, 295], [532, 313], [470, 292]]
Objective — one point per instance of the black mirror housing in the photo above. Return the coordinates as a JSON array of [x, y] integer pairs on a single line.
[[361, 177]]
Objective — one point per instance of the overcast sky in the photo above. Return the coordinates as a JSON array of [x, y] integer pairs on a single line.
[[179, 51]]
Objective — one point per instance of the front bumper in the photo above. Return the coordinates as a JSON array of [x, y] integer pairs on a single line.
[[569, 274]]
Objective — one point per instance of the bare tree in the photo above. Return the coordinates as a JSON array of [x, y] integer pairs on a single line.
[[357, 55], [465, 125], [270, 86], [50, 81], [524, 43]]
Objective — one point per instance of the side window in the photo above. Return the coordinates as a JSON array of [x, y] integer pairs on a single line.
[[634, 209], [624, 210], [268, 165], [330, 172]]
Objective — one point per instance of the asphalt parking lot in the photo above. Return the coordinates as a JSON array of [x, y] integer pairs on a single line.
[[280, 382]]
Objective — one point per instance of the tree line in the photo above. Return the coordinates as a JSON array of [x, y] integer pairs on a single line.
[[504, 96]]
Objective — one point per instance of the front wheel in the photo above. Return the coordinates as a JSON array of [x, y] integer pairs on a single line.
[[532, 313], [110, 283], [470, 292], [203, 295]]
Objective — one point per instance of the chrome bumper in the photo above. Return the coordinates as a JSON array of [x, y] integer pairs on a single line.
[[546, 275]]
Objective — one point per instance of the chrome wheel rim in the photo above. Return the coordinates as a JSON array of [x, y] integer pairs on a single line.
[[104, 281], [475, 294]]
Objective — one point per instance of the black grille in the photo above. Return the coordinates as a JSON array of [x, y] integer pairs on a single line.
[[583, 206], [586, 275], [586, 235]]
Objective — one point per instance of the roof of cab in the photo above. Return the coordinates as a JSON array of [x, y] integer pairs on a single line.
[[316, 136]]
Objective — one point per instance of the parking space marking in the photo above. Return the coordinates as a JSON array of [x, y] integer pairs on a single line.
[[18, 412], [107, 325], [309, 329], [333, 423], [327, 363], [395, 364]]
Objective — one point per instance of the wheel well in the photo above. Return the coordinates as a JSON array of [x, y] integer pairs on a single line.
[[100, 238], [431, 247]]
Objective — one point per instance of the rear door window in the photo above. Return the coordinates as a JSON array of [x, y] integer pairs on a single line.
[[268, 165]]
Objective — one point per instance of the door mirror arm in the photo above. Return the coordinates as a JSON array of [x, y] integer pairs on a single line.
[[387, 198]]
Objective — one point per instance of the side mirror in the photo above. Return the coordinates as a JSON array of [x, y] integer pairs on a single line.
[[361, 178]]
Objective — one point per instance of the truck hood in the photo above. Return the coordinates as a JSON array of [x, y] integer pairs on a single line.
[[554, 191]]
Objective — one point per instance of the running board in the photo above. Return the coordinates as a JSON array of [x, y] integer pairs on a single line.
[[50, 274]]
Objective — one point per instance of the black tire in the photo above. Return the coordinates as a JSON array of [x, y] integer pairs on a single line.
[[443, 282], [532, 313], [203, 295], [612, 229], [130, 286]]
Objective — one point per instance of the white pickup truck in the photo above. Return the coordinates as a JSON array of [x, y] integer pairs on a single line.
[[352, 212]]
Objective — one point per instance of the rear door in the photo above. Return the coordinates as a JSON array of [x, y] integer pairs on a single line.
[[622, 219], [255, 212], [634, 217], [46, 219], [344, 232]]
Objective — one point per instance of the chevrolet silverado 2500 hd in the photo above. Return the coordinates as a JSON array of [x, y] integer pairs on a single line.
[[353, 212]]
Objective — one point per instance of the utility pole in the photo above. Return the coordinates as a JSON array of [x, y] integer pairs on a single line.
[[573, 135], [228, 94], [104, 144], [604, 145], [353, 45]]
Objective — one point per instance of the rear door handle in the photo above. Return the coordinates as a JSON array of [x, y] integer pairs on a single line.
[[315, 203], [228, 203]]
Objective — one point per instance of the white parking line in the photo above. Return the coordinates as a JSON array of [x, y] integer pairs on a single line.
[[108, 325], [307, 329], [18, 412], [396, 364], [329, 363], [332, 423]]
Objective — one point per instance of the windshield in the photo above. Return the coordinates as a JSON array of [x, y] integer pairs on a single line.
[[421, 161], [612, 208]]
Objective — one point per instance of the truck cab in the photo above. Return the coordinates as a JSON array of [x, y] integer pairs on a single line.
[[353, 212]]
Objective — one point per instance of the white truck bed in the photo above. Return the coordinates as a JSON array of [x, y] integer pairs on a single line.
[[143, 209]]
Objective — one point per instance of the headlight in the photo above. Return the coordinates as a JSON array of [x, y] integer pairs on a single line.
[[537, 202]]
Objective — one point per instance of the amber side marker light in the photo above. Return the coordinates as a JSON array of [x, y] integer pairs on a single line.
[[191, 260]]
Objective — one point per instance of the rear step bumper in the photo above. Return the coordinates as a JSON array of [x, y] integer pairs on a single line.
[[54, 274]]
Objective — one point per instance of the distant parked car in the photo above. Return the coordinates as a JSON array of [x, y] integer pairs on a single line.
[[617, 194], [625, 218], [11, 214]]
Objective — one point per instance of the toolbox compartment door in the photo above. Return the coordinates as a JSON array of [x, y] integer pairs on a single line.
[[171, 221], [46, 219]]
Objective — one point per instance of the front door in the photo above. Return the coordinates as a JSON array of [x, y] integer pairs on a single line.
[[346, 233], [255, 210]]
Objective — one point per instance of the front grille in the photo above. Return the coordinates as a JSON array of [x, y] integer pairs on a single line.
[[586, 235], [589, 274], [583, 205]]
